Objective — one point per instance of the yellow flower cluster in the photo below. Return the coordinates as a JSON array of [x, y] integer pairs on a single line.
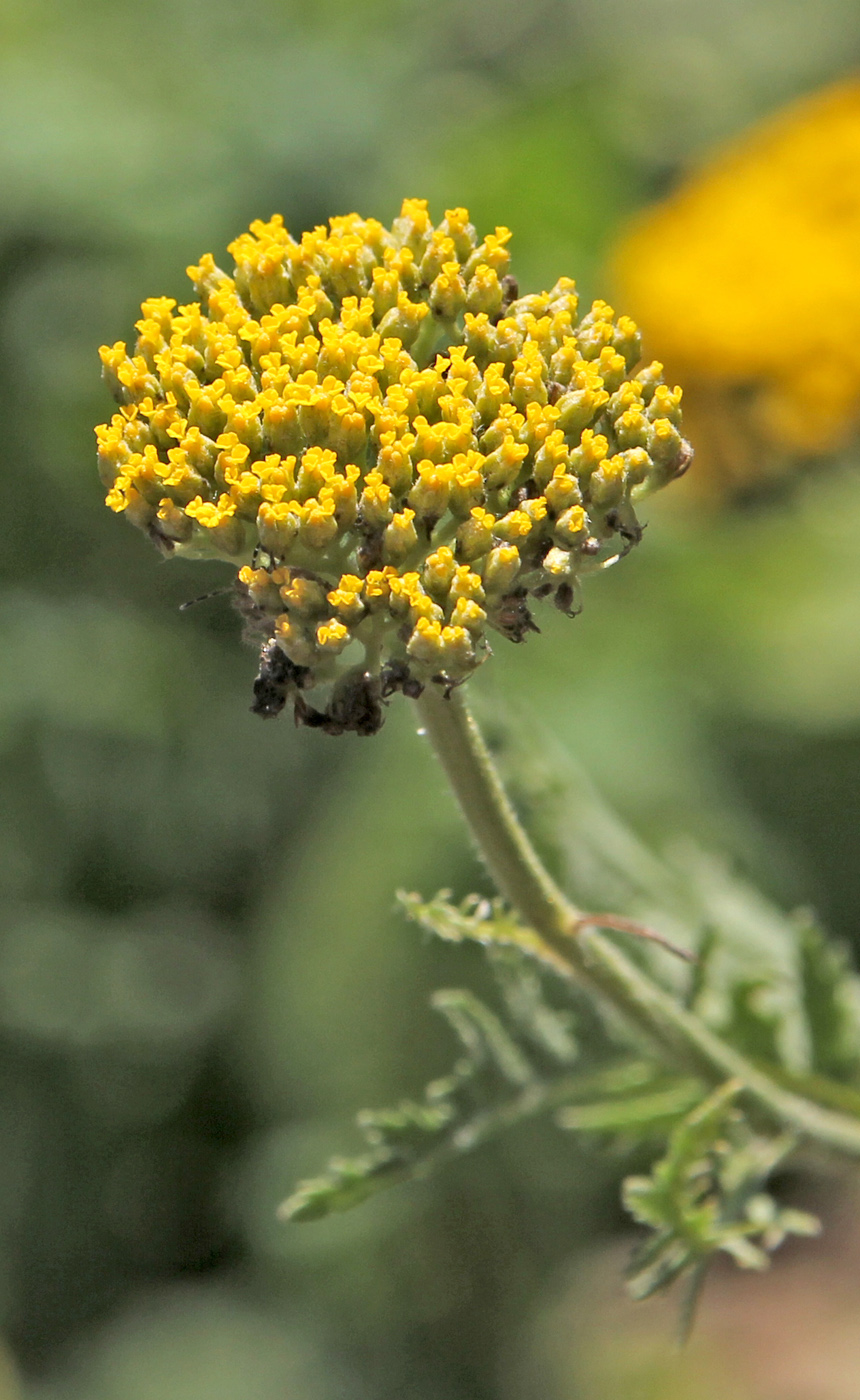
[[394, 447], [748, 278]]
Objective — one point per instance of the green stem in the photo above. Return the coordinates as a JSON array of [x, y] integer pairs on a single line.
[[508, 853], [684, 1040]]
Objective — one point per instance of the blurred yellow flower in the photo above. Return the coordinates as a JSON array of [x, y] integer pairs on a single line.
[[748, 279]]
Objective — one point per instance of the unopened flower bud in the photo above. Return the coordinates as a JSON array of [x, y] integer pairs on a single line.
[[400, 537], [572, 526], [501, 569]]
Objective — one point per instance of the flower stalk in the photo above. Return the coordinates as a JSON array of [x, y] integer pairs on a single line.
[[594, 962]]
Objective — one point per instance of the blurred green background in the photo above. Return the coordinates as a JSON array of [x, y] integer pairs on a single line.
[[202, 976]]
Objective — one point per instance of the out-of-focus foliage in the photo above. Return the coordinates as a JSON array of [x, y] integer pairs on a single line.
[[201, 972]]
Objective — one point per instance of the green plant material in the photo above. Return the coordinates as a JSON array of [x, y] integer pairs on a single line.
[[635, 1114], [831, 1001], [778, 992], [492, 1086], [773, 984], [706, 1195], [478, 920], [515, 1066], [549, 1029]]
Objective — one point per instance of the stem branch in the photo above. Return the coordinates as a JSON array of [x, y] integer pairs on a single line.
[[596, 963]]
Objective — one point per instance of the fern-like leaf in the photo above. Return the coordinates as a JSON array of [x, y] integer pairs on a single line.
[[513, 1066], [707, 1195]]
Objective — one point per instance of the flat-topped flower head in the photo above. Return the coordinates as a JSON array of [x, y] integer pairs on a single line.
[[394, 449]]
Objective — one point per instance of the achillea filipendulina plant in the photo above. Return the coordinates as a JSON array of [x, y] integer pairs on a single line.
[[748, 280], [398, 454], [396, 450]]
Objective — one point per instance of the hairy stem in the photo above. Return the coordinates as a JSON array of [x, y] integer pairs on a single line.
[[594, 961]]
